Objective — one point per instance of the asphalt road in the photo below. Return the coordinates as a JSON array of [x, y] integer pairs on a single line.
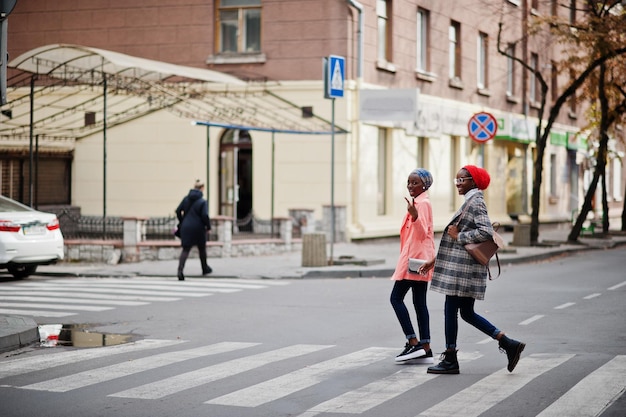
[[325, 347]]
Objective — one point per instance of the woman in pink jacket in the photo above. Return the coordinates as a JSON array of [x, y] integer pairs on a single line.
[[417, 240]]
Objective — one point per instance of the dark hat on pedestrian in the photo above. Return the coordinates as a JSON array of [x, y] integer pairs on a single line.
[[479, 175]]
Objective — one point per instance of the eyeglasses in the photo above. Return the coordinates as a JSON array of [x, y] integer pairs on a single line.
[[458, 181]]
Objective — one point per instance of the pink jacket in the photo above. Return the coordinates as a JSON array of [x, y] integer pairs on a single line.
[[417, 240]]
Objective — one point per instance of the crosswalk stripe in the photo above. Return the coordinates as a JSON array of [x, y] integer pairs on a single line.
[[154, 284], [72, 301], [108, 373], [203, 376], [145, 289], [56, 306], [81, 293], [593, 394], [373, 394], [117, 290], [295, 381], [35, 313], [54, 359], [481, 396]]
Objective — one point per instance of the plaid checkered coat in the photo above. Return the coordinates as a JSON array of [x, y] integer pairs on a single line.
[[456, 272]]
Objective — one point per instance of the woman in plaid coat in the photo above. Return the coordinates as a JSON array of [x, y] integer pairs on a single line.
[[461, 278]]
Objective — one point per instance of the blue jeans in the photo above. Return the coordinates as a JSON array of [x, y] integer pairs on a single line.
[[400, 288], [466, 305]]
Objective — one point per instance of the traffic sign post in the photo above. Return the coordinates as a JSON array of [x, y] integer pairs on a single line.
[[482, 127], [334, 76]]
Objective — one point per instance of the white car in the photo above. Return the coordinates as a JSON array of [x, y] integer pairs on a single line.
[[28, 238]]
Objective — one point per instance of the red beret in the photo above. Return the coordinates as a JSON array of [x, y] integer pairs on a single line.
[[479, 175]]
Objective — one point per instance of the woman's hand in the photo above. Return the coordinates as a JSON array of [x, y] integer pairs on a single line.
[[426, 266], [453, 232], [410, 207]]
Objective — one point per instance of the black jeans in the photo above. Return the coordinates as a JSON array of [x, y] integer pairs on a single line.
[[400, 289], [466, 306]]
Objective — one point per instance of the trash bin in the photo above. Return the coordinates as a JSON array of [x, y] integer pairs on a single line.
[[314, 249], [521, 235]]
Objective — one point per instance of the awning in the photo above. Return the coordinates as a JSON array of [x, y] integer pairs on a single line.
[[65, 84]]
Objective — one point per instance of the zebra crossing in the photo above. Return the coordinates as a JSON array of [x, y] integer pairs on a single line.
[[591, 395], [68, 297]]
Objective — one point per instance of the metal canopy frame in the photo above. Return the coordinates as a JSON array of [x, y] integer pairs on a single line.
[[57, 92]]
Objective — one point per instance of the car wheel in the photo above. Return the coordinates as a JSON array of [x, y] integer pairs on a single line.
[[22, 271]]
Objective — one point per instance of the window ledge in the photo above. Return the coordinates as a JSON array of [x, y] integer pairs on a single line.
[[512, 99], [535, 105], [572, 115], [256, 58], [456, 82], [483, 92], [425, 76], [385, 66], [553, 199]]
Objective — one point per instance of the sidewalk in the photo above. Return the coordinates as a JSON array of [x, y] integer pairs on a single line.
[[350, 260]]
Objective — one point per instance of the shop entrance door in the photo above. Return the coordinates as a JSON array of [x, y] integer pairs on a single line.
[[235, 178]]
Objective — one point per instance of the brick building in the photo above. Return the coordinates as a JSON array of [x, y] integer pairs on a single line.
[[416, 71]]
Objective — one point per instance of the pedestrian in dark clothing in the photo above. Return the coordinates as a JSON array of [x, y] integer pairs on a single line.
[[194, 222], [460, 277]]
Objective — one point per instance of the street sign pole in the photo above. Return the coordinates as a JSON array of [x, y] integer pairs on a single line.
[[334, 76]]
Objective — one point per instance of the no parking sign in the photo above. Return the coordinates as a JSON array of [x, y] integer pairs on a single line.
[[482, 127]]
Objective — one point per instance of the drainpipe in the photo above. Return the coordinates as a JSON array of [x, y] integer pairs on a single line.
[[359, 68], [355, 131]]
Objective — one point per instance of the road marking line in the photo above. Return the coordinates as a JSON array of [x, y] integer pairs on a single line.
[[72, 301], [593, 394], [590, 296], [532, 319], [371, 395], [126, 291], [54, 359], [34, 313], [108, 373], [562, 306], [82, 293], [489, 391], [212, 373], [284, 385], [614, 287], [56, 306]]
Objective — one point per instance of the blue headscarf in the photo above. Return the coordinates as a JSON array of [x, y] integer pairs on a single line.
[[425, 176]]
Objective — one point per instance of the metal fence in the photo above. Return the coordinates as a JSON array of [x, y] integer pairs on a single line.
[[76, 226]]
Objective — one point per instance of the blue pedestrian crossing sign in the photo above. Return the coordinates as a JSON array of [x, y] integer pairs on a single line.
[[334, 76]]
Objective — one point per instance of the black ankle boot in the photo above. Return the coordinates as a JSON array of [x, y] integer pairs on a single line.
[[513, 350], [448, 365], [181, 277]]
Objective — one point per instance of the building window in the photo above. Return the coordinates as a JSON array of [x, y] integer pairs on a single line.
[[423, 64], [572, 12], [454, 42], [534, 65], [383, 13], [553, 7], [616, 173], [553, 176], [510, 70], [483, 52], [554, 81], [422, 152], [239, 23], [381, 194], [534, 4], [572, 99]]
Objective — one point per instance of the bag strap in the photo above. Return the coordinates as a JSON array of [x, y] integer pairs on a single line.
[[496, 226]]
